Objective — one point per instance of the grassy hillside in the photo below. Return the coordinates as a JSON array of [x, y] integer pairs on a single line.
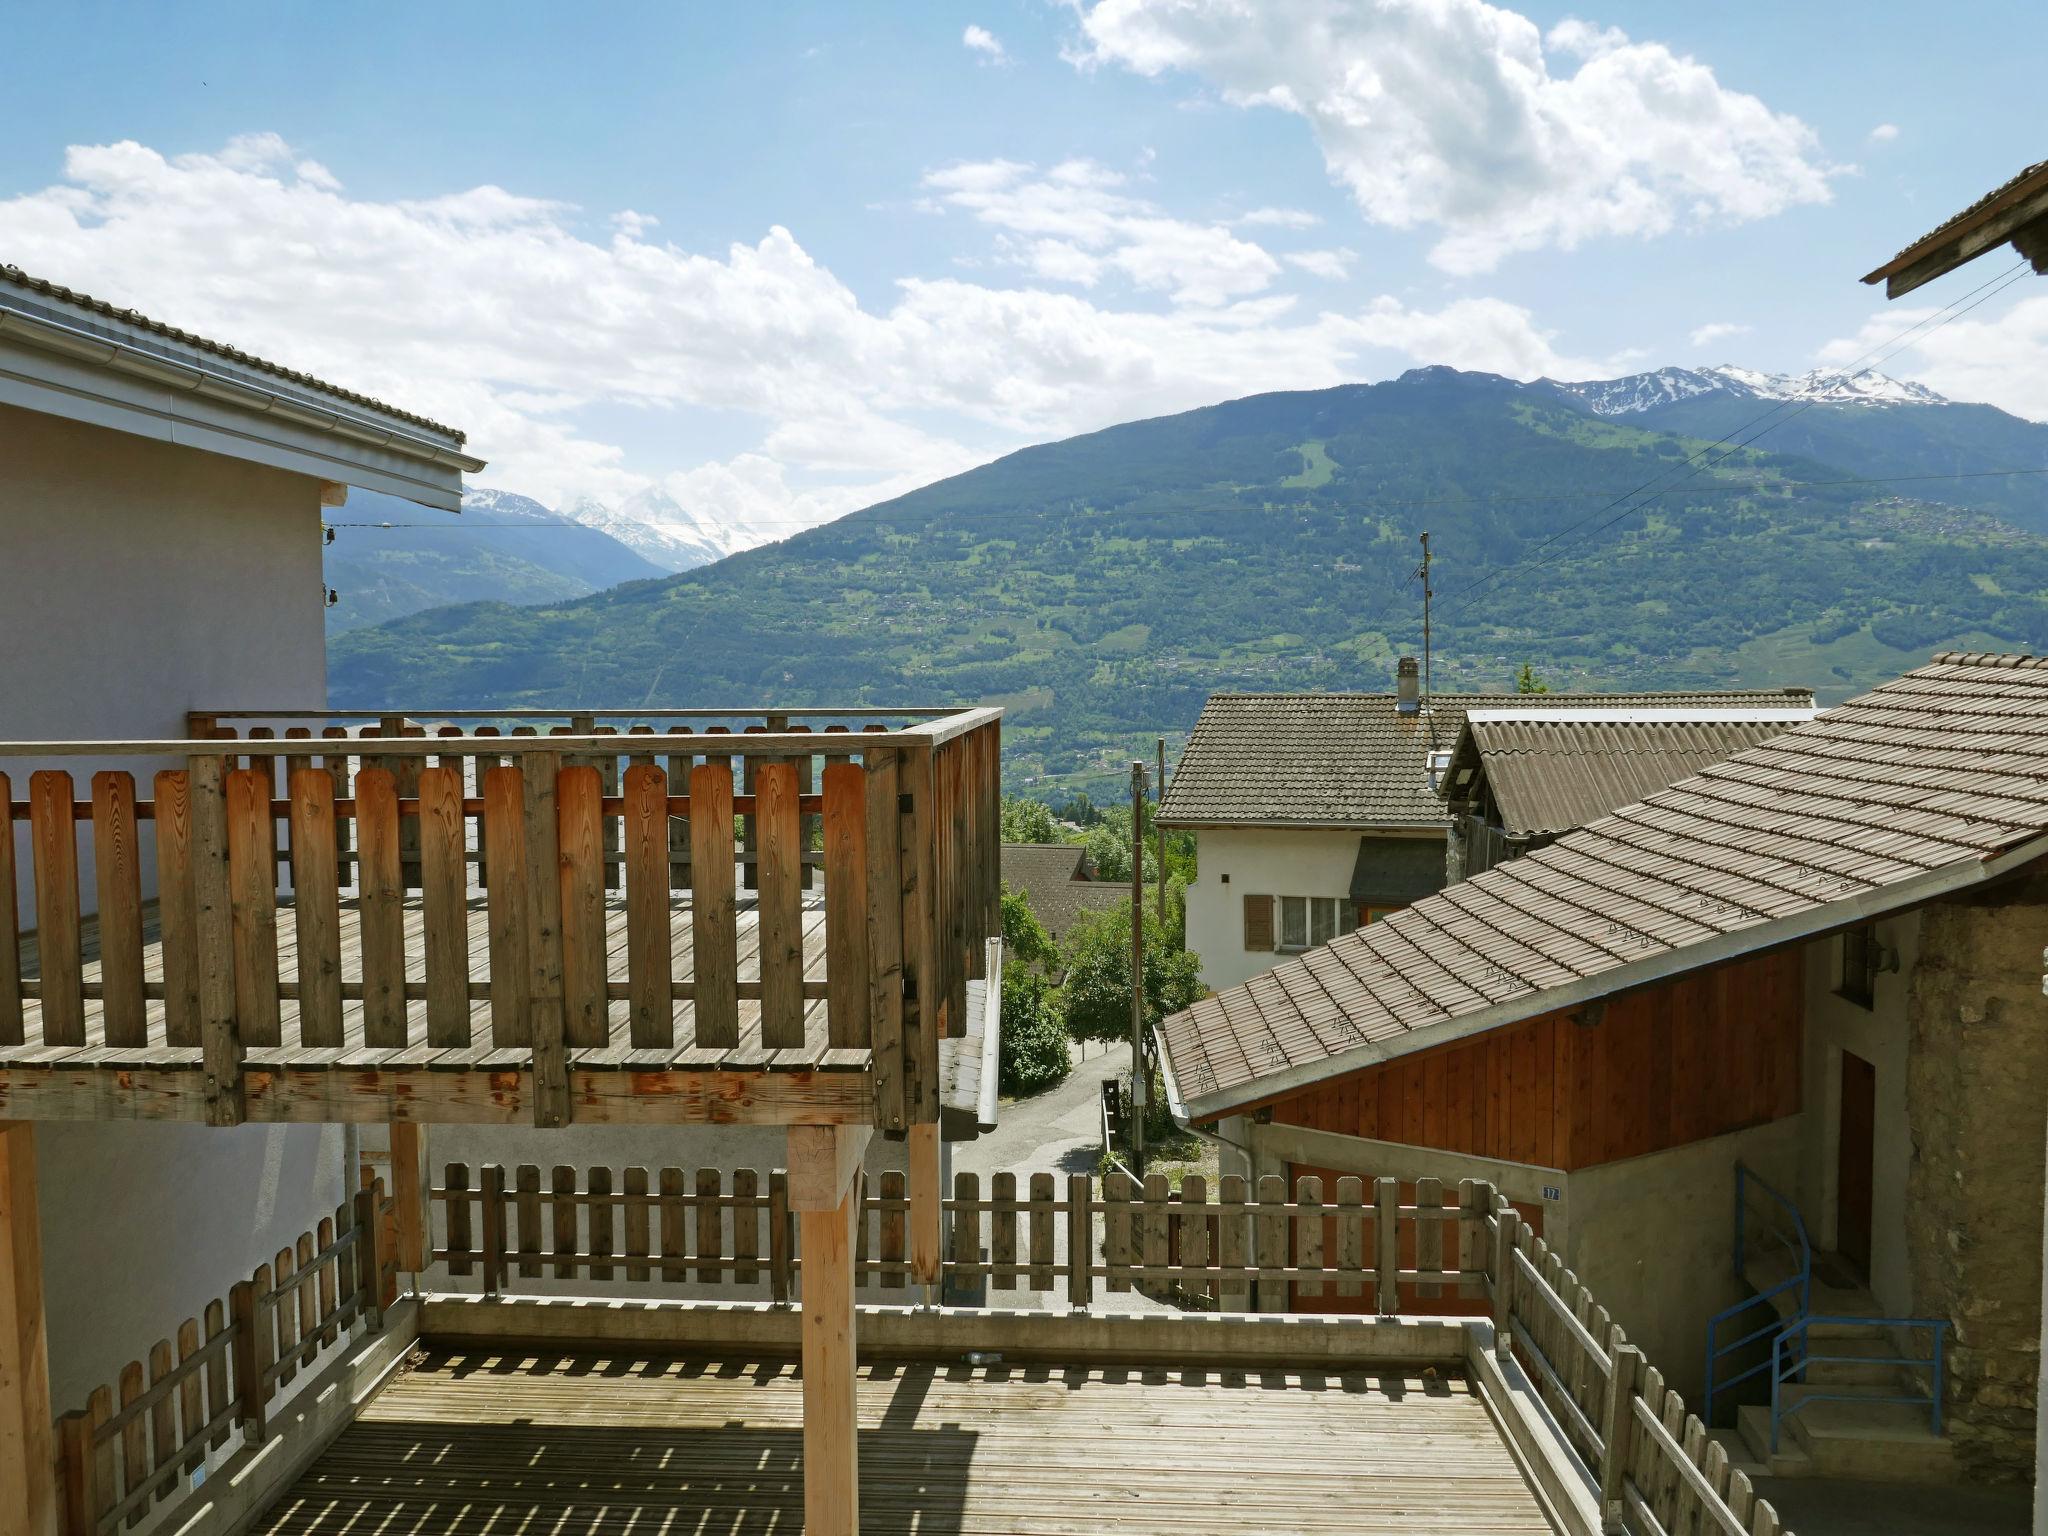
[[1103, 586]]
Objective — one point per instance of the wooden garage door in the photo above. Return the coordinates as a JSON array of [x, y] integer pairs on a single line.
[[1444, 1300]]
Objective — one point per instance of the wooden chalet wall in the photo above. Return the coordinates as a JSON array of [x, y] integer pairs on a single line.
[[1694, 1057]]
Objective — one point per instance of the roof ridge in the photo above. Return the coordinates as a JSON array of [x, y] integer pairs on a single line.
[[2011, 660], [44, 286]]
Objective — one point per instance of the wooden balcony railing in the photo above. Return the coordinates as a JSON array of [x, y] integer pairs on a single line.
[[771, 900]]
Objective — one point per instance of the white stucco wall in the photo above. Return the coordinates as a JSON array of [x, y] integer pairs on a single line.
[[1261, 861], [140, 579], [1881, 1036]]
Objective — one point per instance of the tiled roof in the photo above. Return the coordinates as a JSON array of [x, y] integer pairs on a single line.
[[1933, 782], [1046, 874], [1351, 759], [14, 277], [2028, 180], [1551, 771]]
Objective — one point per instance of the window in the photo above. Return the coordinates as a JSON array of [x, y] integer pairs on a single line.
[[1306, 921], [1294, 922], [1370, 914], [1322, 919], [1860, 952]]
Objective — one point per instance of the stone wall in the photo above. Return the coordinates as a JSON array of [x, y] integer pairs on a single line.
[[1977, 1096]]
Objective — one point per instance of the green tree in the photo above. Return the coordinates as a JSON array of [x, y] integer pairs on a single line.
[[1526, 681], [1034, 1040], [1028, 821], [1025, 940], [1096, 997]]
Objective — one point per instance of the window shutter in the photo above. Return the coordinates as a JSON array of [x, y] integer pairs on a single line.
[[1258, 922]]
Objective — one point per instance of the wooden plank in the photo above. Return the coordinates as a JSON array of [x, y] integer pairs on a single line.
[[409, 1178], [444, 903], [598, 1214], [708, 1230], [134, 1441], [674, 1224], [1429, 1235], [12, 1017], [53, 838], [781, 904], [1044, 1195], [1156, 1252], [885, 938], [714, 927], [633, 1184], [892, 1227], [252, 892], [192, 1414], [1119, 1230], [27, 1451], [218, 1397], [1349, 1257], [650, 943], [461, 1227], [504, 838], [1193, 1222], [117, 867], [526, 1208], [847, 997], [579, 802], [565, 1222], [381, 910], [1002, 1231], [830, 1379], [966, 1269], [921, 972], [926, 1194], [1308, 1234], [822, 1161], [316, 905], [746, 1225], [543, 869]]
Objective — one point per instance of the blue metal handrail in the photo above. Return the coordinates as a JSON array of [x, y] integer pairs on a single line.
[[1790, 1358], [1799, 1246]]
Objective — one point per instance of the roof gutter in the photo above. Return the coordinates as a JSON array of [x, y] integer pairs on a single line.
[[1824, 919], [1179, 1110], [194, 378], [985, 1107]]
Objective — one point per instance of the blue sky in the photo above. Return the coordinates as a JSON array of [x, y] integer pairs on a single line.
[[780, 260]]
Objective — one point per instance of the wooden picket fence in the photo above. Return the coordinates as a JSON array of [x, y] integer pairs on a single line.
[[1418, 1250], [132, 1449]]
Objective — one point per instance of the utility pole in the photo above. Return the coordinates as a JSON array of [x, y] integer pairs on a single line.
[[1140, 1080], [1159, 840], [1422, 573]]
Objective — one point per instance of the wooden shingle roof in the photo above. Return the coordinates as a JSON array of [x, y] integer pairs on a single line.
[[1352, 759], [1932, 783]]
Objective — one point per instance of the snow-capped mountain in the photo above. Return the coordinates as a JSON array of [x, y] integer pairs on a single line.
[[1646, 391], [655, 528]]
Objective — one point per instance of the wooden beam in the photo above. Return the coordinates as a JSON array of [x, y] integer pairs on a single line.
[[363, 1096], [28, 1467], [831, 1419], [410, 1181], [822, 1162], [926, 1194]]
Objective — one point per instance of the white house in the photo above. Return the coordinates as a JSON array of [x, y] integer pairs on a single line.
[[161, 499], [1317, 813]]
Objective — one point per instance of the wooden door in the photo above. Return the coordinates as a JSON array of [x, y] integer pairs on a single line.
[[1855, 1144]]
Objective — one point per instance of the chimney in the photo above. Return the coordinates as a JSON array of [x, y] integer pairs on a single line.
[[1408, 687]]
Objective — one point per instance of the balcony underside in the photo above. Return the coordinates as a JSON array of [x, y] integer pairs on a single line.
[[481, 1082]]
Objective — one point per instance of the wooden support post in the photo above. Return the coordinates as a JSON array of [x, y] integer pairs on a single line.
[[544, 939], [1506, 1220], [369, 1259], [219, 1034], [1617, 1432], [926, 1195], [410, 1182], [819, 1157], [28, 1463], [1387, 1242]]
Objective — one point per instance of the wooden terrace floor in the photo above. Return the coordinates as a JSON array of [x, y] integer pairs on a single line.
[[749, 1055], [474, 1445]]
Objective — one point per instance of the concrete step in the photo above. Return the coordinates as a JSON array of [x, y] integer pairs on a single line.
[[1845, 1299], [1741, 1457], [1753, 1424], [1864, 1348]]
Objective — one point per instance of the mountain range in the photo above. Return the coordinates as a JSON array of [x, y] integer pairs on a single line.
[[1102, 586]]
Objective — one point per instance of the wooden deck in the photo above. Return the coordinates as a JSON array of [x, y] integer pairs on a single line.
[[587, 1446], [748, 1054]]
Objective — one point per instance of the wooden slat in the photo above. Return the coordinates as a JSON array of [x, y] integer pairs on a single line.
[[117, 864], [1308, 1234], [674, 1216], [746, 1225], [460, 1224], [714, 926], [1350, 1254], [316, 905], [1118, 1230], [217, 1394], [191, 1396], [134, 1441], [526, 1208], [543, 864], [252, 892], [52, 835], [12, 1017], [1002, 1231], [781, 905], [1154, 1250], [1044, 1194], [650, 943], [382, 908], [966, 1267], [885, 937], [919, 837], [634, 1184], [1193, 1221], [504, 839], [708, 1230], [444, 902], [579, 804], [847, 970], [1233, 1231], [565, 1222], [598, 1215], [889, 1241]]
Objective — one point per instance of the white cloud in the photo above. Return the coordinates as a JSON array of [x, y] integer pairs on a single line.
[[1449, 113], [1334, 265], [501, 314], [1078, 223], [1281, 218], [1717, 330], [1884, 133], [1997, 354], [984, 42]]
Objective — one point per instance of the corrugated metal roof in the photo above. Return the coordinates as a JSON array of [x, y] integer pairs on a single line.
[[1352, 759], [1869, 807], [1549, 776], [12, 276]]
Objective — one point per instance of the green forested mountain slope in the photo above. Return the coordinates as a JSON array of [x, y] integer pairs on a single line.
[[1103, 586]]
